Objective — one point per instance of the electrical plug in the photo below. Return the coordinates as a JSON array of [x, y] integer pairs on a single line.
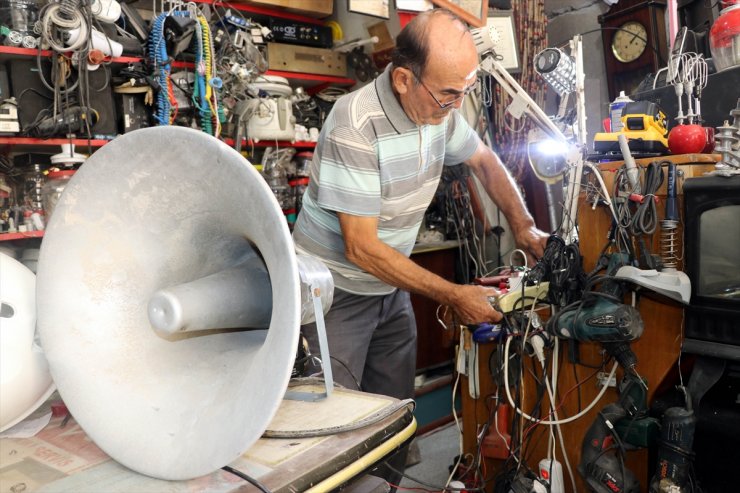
[[538, 342]]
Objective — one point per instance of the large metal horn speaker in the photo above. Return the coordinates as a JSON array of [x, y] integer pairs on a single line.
[[25, 382], [171, 225]]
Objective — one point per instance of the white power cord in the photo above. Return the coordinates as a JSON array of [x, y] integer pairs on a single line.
[[459, 429], [538, 347], [548, 422]]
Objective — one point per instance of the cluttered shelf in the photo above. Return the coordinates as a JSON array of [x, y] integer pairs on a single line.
[[29, 143], [18, 52], [21, 236], [259, 10]]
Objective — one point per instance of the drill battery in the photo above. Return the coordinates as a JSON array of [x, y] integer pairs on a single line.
[[644, 124]]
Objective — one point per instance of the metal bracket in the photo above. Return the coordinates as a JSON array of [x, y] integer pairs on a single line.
[[323, 348]]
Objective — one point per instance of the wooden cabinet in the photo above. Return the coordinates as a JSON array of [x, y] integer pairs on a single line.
[[435, 345], [657, 352]]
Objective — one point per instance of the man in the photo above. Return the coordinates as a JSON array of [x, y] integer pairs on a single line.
[[374, 172]]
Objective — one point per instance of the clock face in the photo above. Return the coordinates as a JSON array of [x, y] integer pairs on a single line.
[[629, 41]]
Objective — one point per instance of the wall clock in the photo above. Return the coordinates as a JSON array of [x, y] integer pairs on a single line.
[[629, 42], [634, 39]]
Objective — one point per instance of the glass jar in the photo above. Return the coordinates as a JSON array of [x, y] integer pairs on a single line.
[[33, 182], [724, 38], [53, 188], [302, 163]]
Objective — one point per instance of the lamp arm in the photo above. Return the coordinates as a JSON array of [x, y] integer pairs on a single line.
[[521, 102], [576, 50]]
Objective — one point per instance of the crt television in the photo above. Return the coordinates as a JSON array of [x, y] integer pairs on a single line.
[[712, 262]]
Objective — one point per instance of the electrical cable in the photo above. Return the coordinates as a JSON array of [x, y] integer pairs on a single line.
[[432, 486], [247, 478], [645, 219], [548, 422], [552, 393], [453, 470]]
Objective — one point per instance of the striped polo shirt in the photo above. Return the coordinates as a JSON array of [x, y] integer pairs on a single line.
[[372, 160]]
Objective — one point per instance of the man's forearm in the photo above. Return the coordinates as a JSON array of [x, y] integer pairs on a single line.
[[500, 186], [363, 248], [399, 271]]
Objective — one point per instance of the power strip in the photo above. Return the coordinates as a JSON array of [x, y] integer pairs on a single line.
[[510, 301]]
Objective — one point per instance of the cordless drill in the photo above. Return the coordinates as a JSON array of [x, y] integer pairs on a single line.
[[600, 466], [674, 451], [602, 317]]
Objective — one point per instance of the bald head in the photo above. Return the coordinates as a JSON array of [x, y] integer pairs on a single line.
[[434, 36]]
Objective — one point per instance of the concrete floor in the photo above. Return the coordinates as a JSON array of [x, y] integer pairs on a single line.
[[438, 450]]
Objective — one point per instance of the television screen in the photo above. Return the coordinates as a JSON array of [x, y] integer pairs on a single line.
[[719, 253]]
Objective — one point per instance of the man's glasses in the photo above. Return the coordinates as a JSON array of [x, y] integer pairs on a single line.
[[447, 104]]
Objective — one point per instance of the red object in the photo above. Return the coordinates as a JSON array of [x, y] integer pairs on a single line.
[[59, 173], [687, 139], [607, 124], [405, 17], [497, 442], [636, 197], [58, 408], [96, 57], [724, 37], [492, 280]]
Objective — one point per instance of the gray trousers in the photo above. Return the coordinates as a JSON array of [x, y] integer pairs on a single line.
[[372, 341]]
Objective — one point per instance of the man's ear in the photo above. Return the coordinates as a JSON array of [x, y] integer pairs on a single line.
[[402, 79]]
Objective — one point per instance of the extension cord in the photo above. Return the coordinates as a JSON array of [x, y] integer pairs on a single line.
[[554, 475], [509, 302]]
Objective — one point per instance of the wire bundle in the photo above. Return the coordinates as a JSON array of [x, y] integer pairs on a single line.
[[205, 95], [162, 66]]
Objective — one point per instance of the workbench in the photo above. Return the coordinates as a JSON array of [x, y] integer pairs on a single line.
[[61, 458], [657, 350]]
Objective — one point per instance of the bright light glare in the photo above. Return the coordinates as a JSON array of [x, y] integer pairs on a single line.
[[551, 147]]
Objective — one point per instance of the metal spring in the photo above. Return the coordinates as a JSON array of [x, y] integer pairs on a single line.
[[669, 243], [69, 8]]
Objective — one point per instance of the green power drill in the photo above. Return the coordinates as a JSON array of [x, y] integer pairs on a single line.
[[601, 316]]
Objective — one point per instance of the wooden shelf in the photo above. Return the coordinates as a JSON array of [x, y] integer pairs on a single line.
[[57, 141], [264, 11], [82, 143], [312, 77], [17, 52], [267, 143], [301, 77], [21, 236]]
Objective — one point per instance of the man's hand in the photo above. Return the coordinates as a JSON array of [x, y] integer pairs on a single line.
[[471, 304], [533, 242], [502, 189]]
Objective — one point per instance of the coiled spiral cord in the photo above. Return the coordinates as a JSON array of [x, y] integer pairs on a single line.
[[645, 218]]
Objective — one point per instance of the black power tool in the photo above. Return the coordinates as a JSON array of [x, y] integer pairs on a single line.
[[600, 466], [674, 452], [601, 316]]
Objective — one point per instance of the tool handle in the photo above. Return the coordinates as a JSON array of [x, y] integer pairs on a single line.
[[633, 174], [671, 203]]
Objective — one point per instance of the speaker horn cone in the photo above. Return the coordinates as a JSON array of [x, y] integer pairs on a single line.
[[169, 218]]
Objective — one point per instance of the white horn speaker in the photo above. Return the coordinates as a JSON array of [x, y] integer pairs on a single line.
[[25, 382], [162, 233]]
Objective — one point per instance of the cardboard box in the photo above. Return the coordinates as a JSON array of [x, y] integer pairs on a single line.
[[385, 40], [306, 59], [309, 8]]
